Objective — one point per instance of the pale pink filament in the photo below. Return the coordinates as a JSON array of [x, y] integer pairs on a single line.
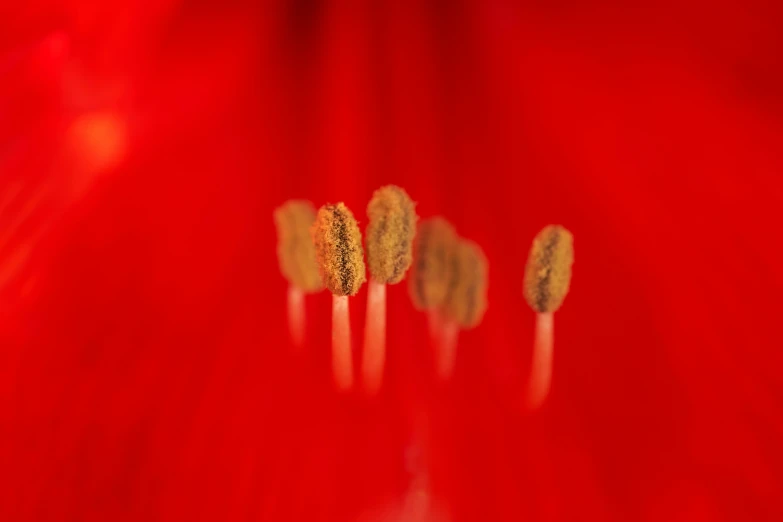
[[541, 372], [342, 363], [374, 337], [296, 315]]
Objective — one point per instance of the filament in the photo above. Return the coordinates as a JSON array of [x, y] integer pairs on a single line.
[[342, 363], [541, 371], [296, 315], [374, 337]]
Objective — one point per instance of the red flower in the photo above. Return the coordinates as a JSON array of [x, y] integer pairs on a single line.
[[146, 371]]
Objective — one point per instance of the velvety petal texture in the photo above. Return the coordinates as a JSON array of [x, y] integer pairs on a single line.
[[146, 370]]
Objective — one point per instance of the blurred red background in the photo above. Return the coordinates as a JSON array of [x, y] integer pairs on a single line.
[[145, 367]]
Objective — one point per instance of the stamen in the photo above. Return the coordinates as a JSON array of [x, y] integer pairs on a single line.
[[340, 258], [466, 302], [430, 276], [389, 238], [296, 255], [547, 280]]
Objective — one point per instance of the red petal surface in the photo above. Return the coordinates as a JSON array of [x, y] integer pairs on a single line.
[[145, 367]]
